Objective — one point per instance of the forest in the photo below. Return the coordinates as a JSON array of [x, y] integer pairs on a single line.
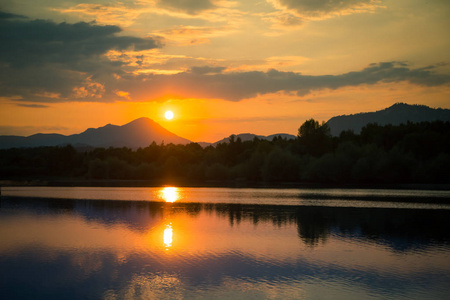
[[406, 153]]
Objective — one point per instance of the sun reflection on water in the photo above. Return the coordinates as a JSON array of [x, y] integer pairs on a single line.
[[168, 236], [170, 194]]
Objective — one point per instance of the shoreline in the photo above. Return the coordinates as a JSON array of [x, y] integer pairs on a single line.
[[51, 182]]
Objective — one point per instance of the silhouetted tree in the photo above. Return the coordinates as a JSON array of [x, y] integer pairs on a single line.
[[412, 152], [315, 137]]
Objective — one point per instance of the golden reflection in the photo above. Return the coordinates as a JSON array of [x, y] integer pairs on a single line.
[[170, 194], [168, 235]]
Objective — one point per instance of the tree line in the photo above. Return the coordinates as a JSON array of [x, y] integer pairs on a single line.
[[406, 153]]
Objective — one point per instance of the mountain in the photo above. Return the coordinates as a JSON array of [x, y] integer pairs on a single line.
[[138, 133], [35, 140], [396, 114]]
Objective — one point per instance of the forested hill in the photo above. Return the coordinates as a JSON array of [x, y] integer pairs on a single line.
[[249, 136], [399, 113], [410, 153]]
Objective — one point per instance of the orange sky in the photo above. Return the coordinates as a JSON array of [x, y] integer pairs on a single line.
[[222, 67]]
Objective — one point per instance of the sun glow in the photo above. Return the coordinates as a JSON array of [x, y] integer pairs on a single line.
[[169, 194], [168, 115], [168, 236]]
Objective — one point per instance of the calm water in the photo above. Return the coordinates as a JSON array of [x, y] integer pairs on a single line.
[[199, 243]]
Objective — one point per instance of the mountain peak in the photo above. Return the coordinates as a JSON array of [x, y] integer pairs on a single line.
[[406, 106], [402, 104], [138, 133], [141, 120]]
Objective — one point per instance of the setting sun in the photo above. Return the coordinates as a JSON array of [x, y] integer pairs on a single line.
[[169, 115], [225, 149]]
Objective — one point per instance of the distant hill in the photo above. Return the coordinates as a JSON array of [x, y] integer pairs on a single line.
[[396, 114], [36, 140], [138, 133], [250, 136]]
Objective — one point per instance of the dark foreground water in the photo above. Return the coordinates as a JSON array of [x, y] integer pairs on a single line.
[[99, 243]]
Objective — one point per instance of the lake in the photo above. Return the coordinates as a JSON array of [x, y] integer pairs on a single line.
[[223, 243]]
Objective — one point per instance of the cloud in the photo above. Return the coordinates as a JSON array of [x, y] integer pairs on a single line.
[[191, 7], [193, 35], [206, 70], [277, 62], [43, 61], [320, 9], [127, 13], [32, 105], [214, 83], [286, 20], [282, 20], [29, 130], [38, 41], [5, 15], [47, 58], [108, 13]]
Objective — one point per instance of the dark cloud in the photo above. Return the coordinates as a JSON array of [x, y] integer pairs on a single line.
[[32, 105], [204, 70], [29, 130], [39, 56], [241, 85], [5, 15], [42, 61], [323, 7], [191, 7], [33, 42]]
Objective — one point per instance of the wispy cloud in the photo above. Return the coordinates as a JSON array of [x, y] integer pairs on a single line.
[[32, 105], [112, 13], [293, 14], [45, 61], [191, 7], [322, 9], [282, 20], [27, 130], [273, 62], [193, 35], [214, 83], [127, 13]]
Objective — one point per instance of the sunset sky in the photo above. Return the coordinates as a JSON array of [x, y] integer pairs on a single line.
[[222, 67]]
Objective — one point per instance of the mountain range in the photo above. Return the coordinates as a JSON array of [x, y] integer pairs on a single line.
[[143, 131], [399, 113]]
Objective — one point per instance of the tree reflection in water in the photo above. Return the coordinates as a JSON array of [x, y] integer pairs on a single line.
[[114, 249], [400, 229]]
